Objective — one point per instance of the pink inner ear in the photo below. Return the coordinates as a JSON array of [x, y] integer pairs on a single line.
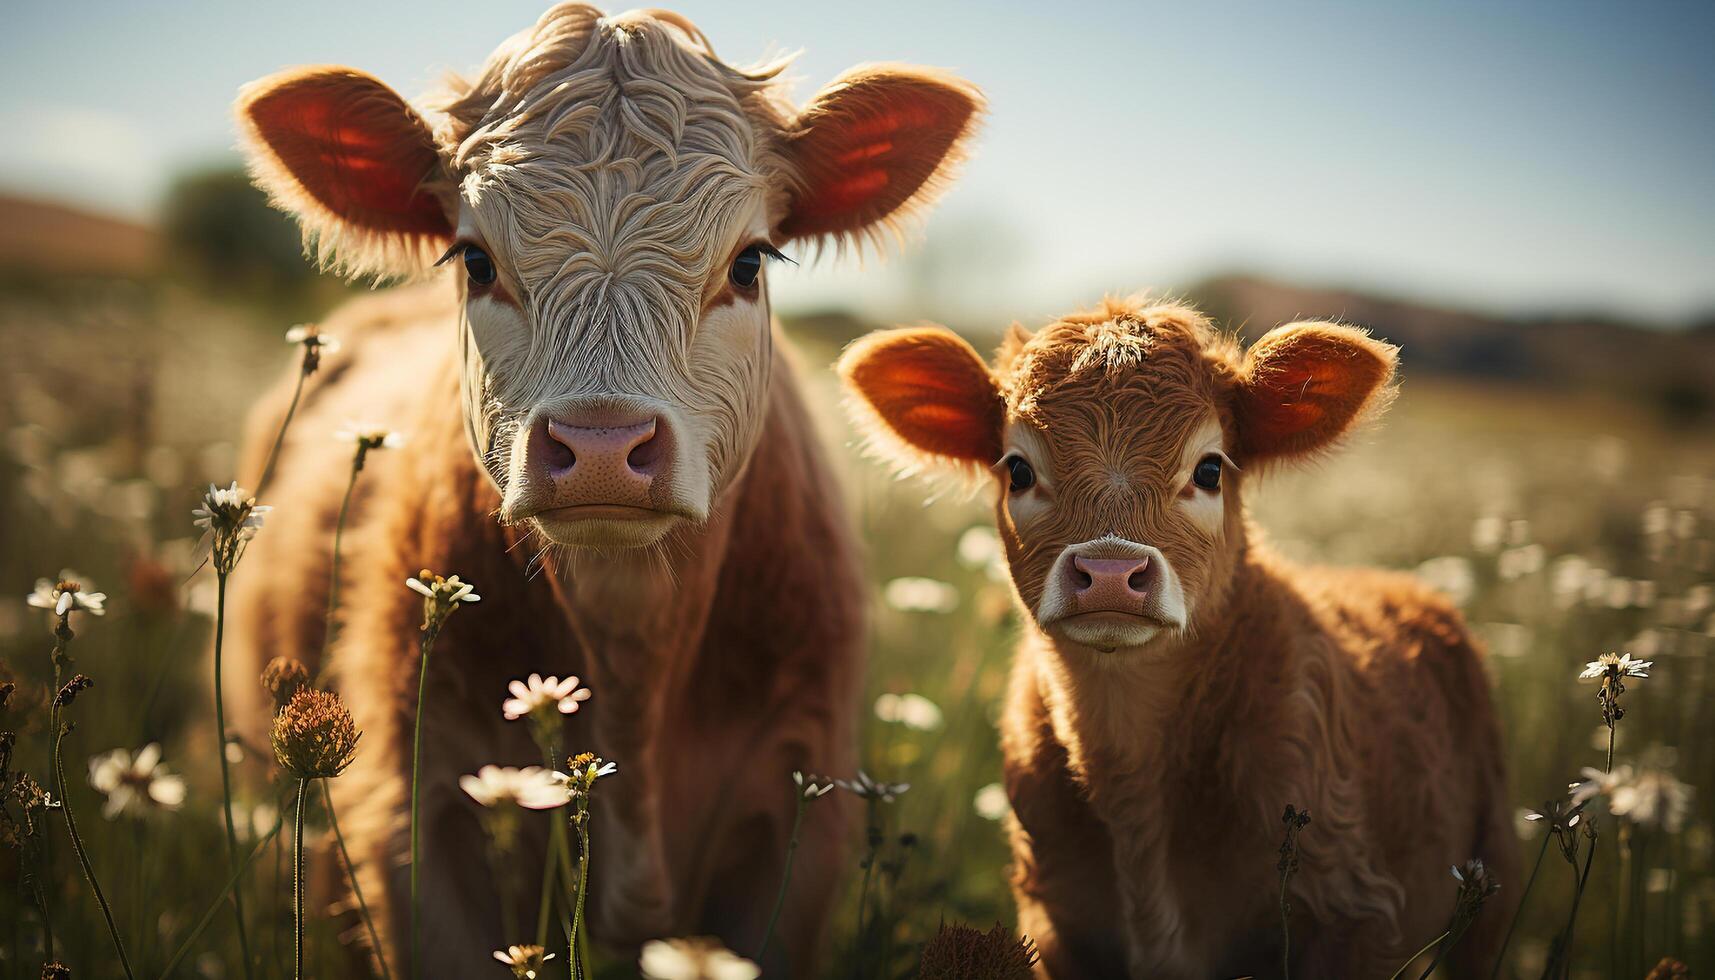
[[361, 155]]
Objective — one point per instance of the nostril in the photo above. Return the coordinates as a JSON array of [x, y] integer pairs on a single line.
[[1081, 579], [1138, 580], [643, 456]]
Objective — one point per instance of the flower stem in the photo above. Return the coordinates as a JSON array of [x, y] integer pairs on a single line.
[[580, 943], [428, 644], [333, 578], [280, 437], [1501, 956], [225, 772], [356, 890], [83, 855], [1285, 933], [214, 906], [298, 883], [785, 879], [1413, 957]]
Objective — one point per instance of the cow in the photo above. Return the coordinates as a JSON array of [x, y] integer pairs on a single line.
[[604, 435], [1177, 683]]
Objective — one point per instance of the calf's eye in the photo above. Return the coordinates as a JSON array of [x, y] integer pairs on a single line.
[[1208, 473], [1020, 475], [478, 265]]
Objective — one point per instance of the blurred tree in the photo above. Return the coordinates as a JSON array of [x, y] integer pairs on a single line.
[[225, 240]]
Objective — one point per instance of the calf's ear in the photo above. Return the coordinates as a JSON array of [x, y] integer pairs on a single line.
[[354, 163], [875, 147], [1304, 385], [925, 398]]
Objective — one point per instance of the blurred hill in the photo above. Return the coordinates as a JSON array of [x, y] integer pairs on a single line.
[[1672, 370], [40, 237]]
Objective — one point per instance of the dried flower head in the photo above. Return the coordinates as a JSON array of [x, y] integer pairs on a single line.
[[961, 953], [6, 690], [698, 958], [315, 344], [813, 787], [441, 597], [525, 961], [67, 694], [135, 785], [69, 593], [531, 787], [229, 518], [1476, 886], [543, 694], [1562, 818], [56, 971], [1669, 969], [284, 677], [314, 736], [867, 788], [1294, 820]]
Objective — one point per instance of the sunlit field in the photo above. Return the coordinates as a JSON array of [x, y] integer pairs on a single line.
[[1568, 525]]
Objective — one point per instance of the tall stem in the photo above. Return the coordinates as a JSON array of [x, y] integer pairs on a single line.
[[298, 883], [428, 644], [83, 856], [785, 879], [280, 437], [1413, 957], [208, 914], [356, 890], [1500, 957], [1285, 933], [580, 943], [225, 772], [333, 579]]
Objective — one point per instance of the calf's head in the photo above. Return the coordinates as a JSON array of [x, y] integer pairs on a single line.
[[1118, 439], [608, 193]]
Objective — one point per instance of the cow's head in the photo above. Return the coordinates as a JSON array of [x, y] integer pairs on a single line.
[[609, 193], [1118, 439]]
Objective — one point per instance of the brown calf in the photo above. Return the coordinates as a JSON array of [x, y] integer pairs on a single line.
[[1178, 684], [601, 374]]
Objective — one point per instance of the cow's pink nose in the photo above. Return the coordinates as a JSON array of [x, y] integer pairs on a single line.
[[604, 463], [1109, 584]]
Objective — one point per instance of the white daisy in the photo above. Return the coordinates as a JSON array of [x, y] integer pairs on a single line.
[[991, 802], [532, 787], [813, 787], [911, 710], [537, 693], [1615, 665], [869, 789], [920, 595], [525, 961], [693, 959], [135, 785], [369, 435], [71, 592]]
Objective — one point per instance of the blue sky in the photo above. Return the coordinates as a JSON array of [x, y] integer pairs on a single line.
[[1521, 156]]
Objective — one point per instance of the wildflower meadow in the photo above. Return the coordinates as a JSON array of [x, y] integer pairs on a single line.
[[142, 836]]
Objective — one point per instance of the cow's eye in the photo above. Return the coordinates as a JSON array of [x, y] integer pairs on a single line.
[[747, 265], [1019, 474], [1208, 473], [478, 265]]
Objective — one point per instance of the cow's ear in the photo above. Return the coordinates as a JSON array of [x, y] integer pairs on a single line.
[[875, 147], [1304, 385], [354, 163], [925, 398]]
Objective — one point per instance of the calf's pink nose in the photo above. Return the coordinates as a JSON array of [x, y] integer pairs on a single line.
[[1116, 584], [604, 464]]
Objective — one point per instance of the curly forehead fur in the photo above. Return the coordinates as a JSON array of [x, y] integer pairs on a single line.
[[1158, 350], [610, 163]]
